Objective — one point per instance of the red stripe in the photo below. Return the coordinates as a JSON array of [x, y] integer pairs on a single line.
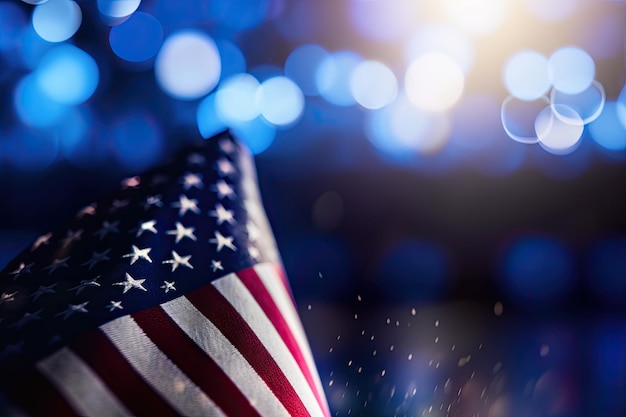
[[254, 284], [217, 309], [194, 362], [285, 281], [34, 394], [119, 375]]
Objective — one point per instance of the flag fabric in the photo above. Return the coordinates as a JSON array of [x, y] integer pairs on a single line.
[[167, 299]]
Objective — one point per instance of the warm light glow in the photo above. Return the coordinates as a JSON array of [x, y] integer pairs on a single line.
[[477, 16], [434, 82]]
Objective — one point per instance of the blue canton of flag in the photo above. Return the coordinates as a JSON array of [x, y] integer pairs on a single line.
[[167, 299]]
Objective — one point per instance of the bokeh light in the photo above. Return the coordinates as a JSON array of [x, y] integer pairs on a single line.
[[519, 116], [373, 84], [257, 134], [209, 124], [67, 75], [571, 70], [608, 130], [302, 64], [434, 82], [57, 20], [138, 38], [327, 211], [401, 130], [333, 77], [281, 101], [382, 20], [188, 65], [526, 75], [138, 140], [449, 40], [115, 12], [33, 48], [236, 99], [621, 105], [537, 269], [478, 17], [556, 135], [33, 106], [587, 105], [553, 10], [413, 270], [71, 131]]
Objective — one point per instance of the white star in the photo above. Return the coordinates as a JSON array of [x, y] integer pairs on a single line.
[[192, 180], [107, 228], [57, 263], [71, 236], [43, 289], [215, 265], [87, 210], [26, 318], [185, 204], [153, 200], [73, 308], [97, 257], [131, 182], [226, 146], [178, 260], [131, 283], [7, 297], [146, 227], [115, 305], [22, 269], [222, 214], [41, 240], [138, 253], [222, 241], [253, 231], [182, 231], [254, 253], [224, 167], [167, 286], [223, 189], [84, 283]]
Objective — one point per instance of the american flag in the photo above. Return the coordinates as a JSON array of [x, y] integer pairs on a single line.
[[167, 299]]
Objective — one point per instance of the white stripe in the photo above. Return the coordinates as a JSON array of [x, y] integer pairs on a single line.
[[204, 333], [80, 385], [246, 305], [273, 283], [157, 369]]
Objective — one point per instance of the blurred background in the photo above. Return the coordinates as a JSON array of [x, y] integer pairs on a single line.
[[444, 177]]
